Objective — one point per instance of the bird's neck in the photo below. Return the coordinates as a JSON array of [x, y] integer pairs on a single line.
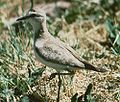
[[40, 30]]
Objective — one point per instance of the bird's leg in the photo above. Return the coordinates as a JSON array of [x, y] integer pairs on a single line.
[[59, 83], [59, 86], [54, 74]]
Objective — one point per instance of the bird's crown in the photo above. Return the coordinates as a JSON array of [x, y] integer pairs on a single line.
[[32, 14]]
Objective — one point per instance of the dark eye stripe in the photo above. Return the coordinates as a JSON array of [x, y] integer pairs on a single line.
[[28, 16], [35, 15]]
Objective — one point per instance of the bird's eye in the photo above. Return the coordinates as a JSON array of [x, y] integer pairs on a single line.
[[32, 10]]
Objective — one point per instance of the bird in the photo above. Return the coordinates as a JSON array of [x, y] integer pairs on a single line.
[[51, 51]]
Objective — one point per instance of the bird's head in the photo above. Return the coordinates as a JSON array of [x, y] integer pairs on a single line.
[[34, 18]]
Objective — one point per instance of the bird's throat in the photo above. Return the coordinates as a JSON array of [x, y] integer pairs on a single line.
[[40, 30]]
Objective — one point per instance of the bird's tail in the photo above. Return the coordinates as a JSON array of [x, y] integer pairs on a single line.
[[89, 66]]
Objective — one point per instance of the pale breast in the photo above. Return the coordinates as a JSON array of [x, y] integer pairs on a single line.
[[39, 43]]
